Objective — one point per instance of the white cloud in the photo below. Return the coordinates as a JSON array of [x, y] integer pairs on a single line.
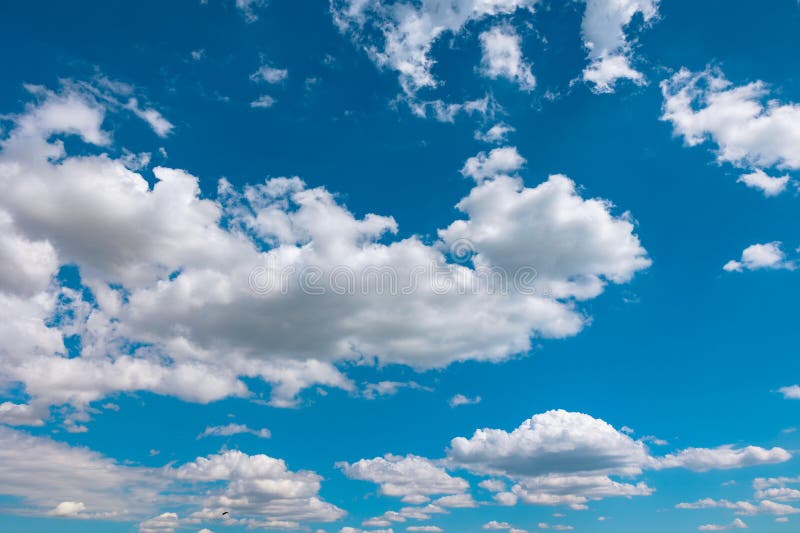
[[736, 524], [494, 525], [167, 276], [764, 507], [748, 130], [761, 256], [390, 388], [248, 9], [723, 458], [564, 458], [497, 134], [410, 29], [161, 126], [447, 112], [791, 392], [604, 29], [163, 523], [502, 57], [70, 509], [52, 478], [425, 529], [264, 101], [493, 485], [768, 185], [258, 486], [460, 399], [234, 429], [270, 74], [504, 160], [405, 476]]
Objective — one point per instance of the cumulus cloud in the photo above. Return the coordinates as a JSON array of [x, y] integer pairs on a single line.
[[791, 392], [564, 458], [409, 30], [736, 524], [184, 295], [723, 458], [749, 129], [604, 29], [407, 476], [52, 478], [504, 160], [70, 509], [497, 134], [502, 57], [768, 185], [761, 256]]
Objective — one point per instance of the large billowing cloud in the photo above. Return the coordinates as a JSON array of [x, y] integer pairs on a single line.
[[184, 295], [750, 130]]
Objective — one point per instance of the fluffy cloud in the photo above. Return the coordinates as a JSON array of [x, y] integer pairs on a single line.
[[564, 458], [55, 479], [405, 476], [410, 29], [259, 486], [502, 57], [184, 295], [504, 160], [760, 256], [497, 134], [736, 524], [791, 392], [604, 27], [768, 185], [749, 130], [52, 478], [723, 458]]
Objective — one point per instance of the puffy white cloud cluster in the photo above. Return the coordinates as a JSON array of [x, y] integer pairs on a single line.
[[555, 458], [761, 256], [750, 130], [58, 480], [408, 477], [604, 29], [409, 30], [185, 294]]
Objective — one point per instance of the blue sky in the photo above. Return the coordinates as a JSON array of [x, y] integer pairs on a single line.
[[160, 162]]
